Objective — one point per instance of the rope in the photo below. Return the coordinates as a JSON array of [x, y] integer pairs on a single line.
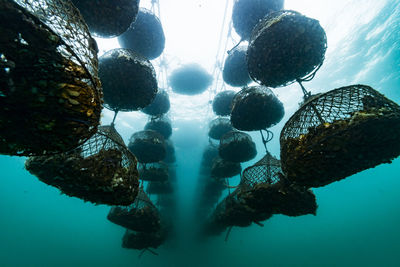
[[268, 138]]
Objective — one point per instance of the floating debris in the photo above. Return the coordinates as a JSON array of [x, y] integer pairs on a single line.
[[237, 146], [222, 103], [148, 146], [190, 79], [235, 72], [50, 95], [219, 127], [160, 125], [159, 106]]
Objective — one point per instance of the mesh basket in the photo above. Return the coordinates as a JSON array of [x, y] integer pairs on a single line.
[[50, 95], [222, 103], [170, 152], [247, 13], [235, 72], [141, 216], [155, 172], [160, 188], [339, 133], [142, 240], [128, 79], [101, 170], [108, 18], [256, 108], [160, 125], [159, 106], [148, 146], [145, 36], [225, 169], [285, 46], [219, 127], [237, 147], [190, 79]]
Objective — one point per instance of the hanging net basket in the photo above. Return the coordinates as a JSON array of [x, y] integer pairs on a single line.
[[219, 127], [256, 108], [101, 170], [170, 152], [141, 216], [235, 71], [159, 188], [145, 36], [284, 47], [225, 169], [159, 106], [190, 79], [161, 126], [128, 79], [247, 13], [148, 146], [237, 147], [340, 133], [108, 18], [50, 95], [155, 172], [142, 240], [222, 103]]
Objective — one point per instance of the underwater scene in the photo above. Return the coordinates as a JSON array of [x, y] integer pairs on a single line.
[[199, 133]]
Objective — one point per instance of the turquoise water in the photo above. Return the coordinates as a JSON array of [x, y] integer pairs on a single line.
[[357, 222]]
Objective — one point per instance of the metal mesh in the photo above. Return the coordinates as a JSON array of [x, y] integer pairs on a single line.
[[148, 146], [156, 172], [219, 127], [237, 146]]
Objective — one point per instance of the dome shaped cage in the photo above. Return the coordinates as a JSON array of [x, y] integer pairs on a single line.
[[50, 95], [237, 147], [170, 152], [161, 126], [148, 146], [142, 240], [128, 79], [209, 154], [225, 169], [159, 106], [256, 108], [145, 36], [222, 103], [101, 170], [264, 189], [247, 13], [219, 127], [355, 127], [141, 216], [235, 72], [190, 79], [108, 18], [159, 188], [154, 172], [285, 47]]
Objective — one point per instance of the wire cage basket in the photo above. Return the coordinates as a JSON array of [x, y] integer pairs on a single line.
[[339, 133], [159, 106], [237, 146], [219, 127], [143, 240], [285, 47], [154, 172], [161, 125], [225, 169], [102, 170], [235, 72], [50, 94], [148, 146], [160, 188], [222, 103]]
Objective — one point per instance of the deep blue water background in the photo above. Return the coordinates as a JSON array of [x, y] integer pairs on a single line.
[[357, 222]]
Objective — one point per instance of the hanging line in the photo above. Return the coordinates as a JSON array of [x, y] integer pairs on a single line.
[[115, 116], [265, 139], [307, 96]]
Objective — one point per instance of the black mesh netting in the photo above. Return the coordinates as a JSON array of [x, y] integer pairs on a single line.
[[222, 103], [141, 216], [225, 169], [256, 108], [235, 72], [148, 146], [142, 240], [156, 172], [145, 36], [190, 79], [50, 95], [159, 106], [339, 133], [161, 125], [237, 147], [264, 189], [219, 127], [128, 79], [247, 13], [159, 188], [101, 170], [108, 18], [284, 47]]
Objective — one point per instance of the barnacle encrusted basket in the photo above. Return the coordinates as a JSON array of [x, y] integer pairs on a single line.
[[222, 103], [108, 18], [237, 146], [50, 95], [219, 127], [145, 36], [140, 216], [128, 79], [159, 106], [148, 146], [256, 108], [235, 71], [156, 172], [102, 170], [161, 125], [340, 133], [284, 47], [225, 169]]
